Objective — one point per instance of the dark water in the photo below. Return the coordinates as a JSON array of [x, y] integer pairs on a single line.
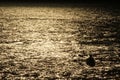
[[54, 42]]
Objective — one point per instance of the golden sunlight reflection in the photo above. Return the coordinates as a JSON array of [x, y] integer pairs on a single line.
[[54, 42], [42, 30]]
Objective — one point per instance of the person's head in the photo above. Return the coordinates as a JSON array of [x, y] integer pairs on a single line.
[[90, 55]]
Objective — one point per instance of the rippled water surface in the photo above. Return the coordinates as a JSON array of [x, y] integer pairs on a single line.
[[54, 42]]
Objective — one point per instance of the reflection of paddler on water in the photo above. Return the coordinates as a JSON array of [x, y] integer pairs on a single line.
[[90, 61]]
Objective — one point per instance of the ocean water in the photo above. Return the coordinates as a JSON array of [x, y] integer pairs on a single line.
[[53, 42]]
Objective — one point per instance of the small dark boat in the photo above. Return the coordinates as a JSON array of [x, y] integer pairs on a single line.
[[90, 61]]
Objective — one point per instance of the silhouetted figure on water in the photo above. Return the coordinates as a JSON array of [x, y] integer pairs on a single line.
[[90, 61]]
